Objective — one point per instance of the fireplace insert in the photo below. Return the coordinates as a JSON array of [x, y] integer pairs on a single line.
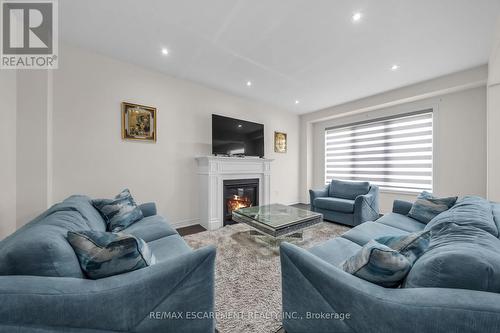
[[239, 193]]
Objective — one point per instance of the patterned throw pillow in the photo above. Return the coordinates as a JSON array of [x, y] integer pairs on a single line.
[[412, 246], [426, 207], [379, 264], [103, 254], [120, 212]]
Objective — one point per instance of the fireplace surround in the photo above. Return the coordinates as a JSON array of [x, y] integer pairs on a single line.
[[214, 170]]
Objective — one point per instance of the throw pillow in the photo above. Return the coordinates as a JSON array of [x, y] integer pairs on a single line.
[[120, 212], [103, 254], [427, 206], [379, 264], [412, 246]]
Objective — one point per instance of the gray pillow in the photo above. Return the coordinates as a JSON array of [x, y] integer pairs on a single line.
[[463, 257], [120, 212], [412, 246], [379, 264], [427, 206], [103, 254]]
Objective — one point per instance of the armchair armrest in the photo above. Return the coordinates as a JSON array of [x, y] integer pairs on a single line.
[[318, 193], [312, 285], [401, 207], [148, 209], [366, 206], [122, 303]]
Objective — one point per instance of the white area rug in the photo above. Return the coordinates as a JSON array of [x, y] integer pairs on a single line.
[[248, 278]]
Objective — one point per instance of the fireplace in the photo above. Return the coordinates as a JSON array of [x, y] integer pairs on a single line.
[[239, 193]]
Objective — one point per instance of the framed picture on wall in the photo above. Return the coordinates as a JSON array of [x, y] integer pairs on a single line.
[[280, 142], [138, 122]]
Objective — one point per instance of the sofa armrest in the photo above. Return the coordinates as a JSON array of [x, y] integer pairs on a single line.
[[122, 303], [366, 206], [148, 209], [312, 285], [401, 207], [318, 193]]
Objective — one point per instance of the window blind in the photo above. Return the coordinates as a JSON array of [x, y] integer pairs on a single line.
[[393, 153]]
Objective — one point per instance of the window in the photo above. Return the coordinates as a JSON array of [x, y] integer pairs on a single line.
[[394, 153]]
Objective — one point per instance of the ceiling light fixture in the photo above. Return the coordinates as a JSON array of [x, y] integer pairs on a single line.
[[297, 101], [356, 17], [249, 83], [394, 68], [164, 51]]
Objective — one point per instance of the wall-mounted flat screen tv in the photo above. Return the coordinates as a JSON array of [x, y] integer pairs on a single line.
[[235, 137]]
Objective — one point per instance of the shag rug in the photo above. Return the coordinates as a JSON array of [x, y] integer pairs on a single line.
[[248, 277]]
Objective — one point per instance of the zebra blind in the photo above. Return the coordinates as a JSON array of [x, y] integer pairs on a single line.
[[393, 153]]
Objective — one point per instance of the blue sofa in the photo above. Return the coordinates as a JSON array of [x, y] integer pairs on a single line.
[[42, 288], [345, 202], [314, 287]]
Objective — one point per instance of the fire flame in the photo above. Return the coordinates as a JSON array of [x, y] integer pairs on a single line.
[[237, 202]]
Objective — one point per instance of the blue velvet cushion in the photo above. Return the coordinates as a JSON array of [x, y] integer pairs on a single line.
[[427, 206], [463, 257], [469, 211], [347, 189], [103, 254], [379, 264], [412, 246], [119, 212]]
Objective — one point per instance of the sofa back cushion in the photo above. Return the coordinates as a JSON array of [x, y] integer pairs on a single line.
[[347, 189], [459, 256], [40, 247], [470, 211]]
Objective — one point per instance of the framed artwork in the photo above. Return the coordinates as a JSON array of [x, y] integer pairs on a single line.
[[280, 143], [138, 122]]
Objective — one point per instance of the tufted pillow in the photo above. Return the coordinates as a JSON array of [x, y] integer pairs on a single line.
[[459, 256], [120, 212], [427, 206], [103, 254], [379, 264], [412, 246]]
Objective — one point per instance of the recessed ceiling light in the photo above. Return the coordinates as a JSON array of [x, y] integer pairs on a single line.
[[297, 101], [240, 125], [164, 51], [394, 67], [249, 83], [356, 17]]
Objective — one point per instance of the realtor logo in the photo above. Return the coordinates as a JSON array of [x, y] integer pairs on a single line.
[[29, 37]]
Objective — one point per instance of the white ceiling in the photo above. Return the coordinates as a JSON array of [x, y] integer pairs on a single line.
[[306, 50]]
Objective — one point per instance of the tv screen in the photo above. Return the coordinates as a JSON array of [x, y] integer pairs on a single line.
[[236, 137]]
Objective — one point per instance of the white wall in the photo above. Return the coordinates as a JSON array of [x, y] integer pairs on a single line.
[[90, 157], [8, 152], [459, 154], [494, 120]]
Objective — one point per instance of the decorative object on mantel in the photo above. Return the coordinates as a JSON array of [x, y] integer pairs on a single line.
[[138, 122], [280, 143]]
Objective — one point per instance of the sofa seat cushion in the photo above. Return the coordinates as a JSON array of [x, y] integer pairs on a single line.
[[402, 222], [470, 211], [367, 231], [102, 254], [335, 250], [168, 247], [462, 257], [150, 228], [336, 204], [348, 189]]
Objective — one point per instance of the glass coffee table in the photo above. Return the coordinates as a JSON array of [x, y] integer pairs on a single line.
[[277, 220]]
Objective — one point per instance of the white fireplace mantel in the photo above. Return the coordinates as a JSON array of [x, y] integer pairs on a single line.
[[213, 170]]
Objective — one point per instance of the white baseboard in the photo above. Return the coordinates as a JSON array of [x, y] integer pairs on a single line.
[[184, 223]]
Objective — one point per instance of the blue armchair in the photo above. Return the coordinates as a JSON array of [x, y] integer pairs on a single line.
[[349, 203]]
